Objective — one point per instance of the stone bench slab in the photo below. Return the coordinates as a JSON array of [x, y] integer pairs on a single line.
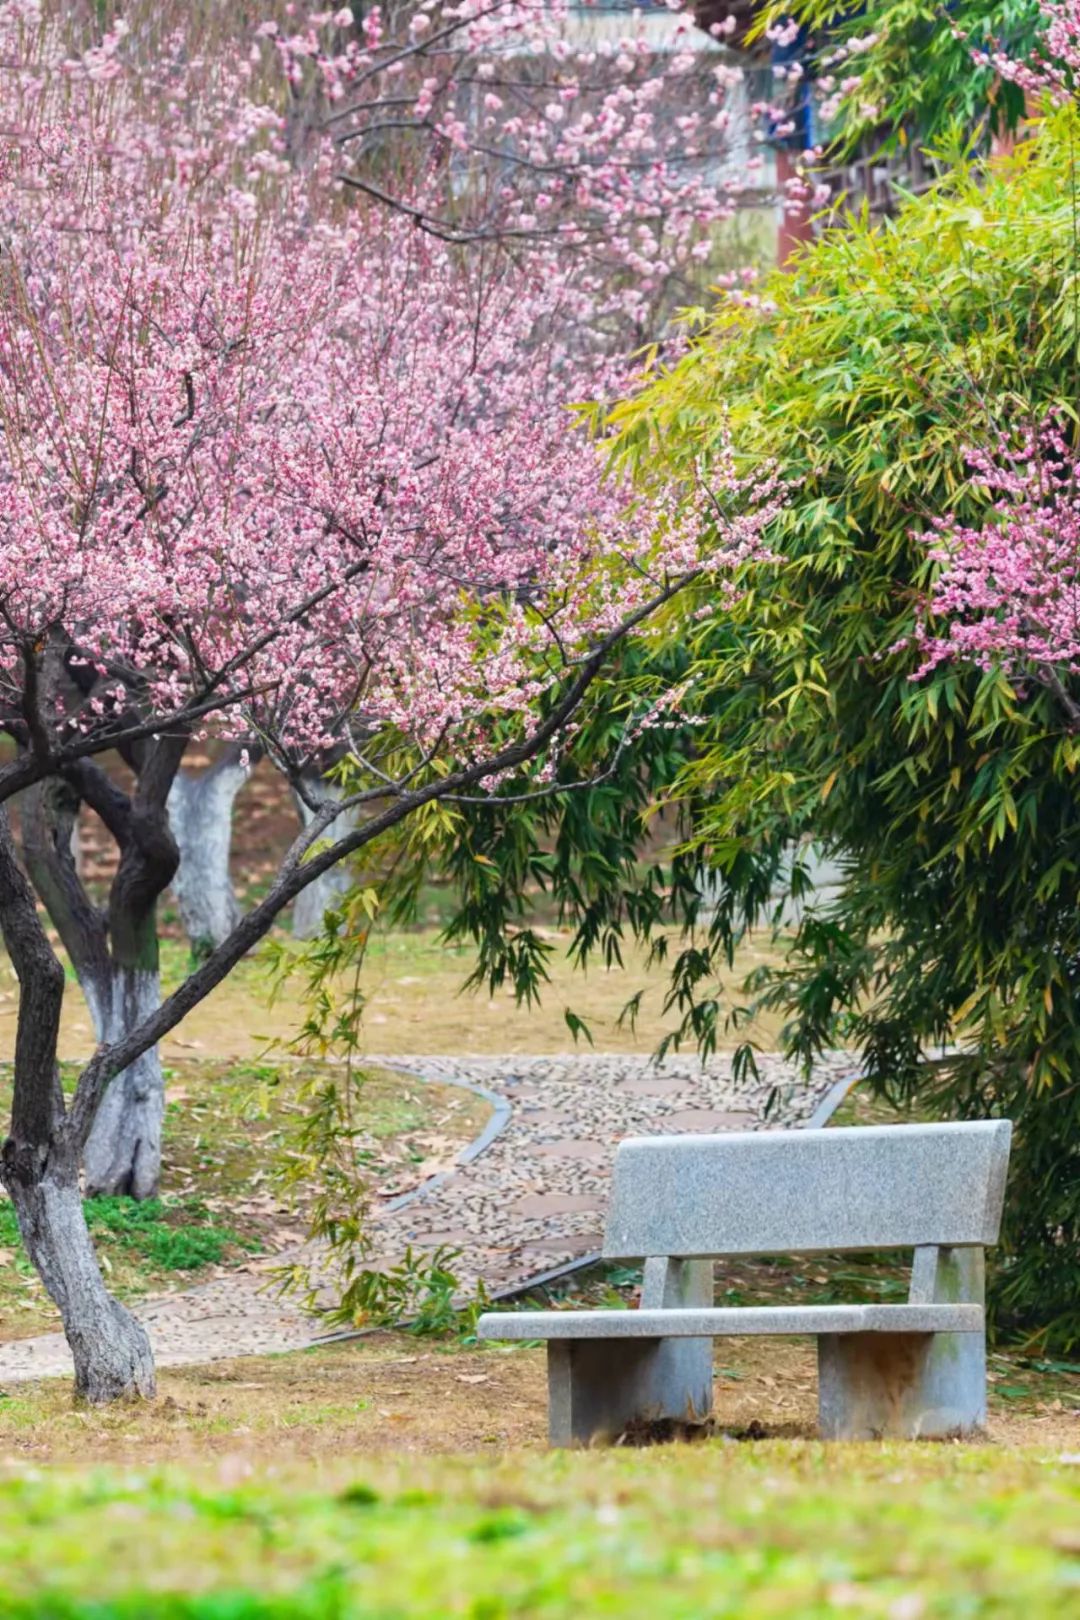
[[680, 1202], [731, 1321]]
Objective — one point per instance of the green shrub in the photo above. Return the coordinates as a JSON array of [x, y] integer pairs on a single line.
[[952, 804]]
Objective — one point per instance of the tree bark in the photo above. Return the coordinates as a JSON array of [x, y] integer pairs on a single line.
[[123, 1152], [200, 815], [111, 1350], [114, 951], [320, 896], [39, 1163]]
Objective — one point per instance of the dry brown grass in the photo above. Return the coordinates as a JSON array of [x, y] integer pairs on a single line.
[[416, 1004], [390, 1393]]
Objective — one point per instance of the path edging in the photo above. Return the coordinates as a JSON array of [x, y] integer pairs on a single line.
[[501, 1114]]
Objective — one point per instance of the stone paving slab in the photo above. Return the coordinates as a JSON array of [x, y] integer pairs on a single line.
[[526, 1198]]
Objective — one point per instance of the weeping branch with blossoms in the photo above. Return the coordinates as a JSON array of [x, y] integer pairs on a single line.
[[278, 488], [539, 122], [195, 112], [1053, 69], [211, 511], [1006, 592], [557, 130], [581, 171]]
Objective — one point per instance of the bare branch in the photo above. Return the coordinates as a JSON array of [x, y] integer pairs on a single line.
[[189, 407]]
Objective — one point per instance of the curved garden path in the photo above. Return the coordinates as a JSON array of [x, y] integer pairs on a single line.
[[524, 1200]]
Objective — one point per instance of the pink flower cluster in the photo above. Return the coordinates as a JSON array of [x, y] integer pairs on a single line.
[[1008, 591], [601, 134], [275, 456], [1055, 67]]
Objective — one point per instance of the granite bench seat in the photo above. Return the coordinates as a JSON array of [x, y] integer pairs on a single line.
[[732, 1321], [681, 1202]]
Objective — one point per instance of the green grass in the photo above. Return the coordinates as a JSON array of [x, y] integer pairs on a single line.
[[171, 1234], [764, 1530]]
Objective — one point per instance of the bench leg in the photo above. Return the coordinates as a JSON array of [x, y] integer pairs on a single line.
[[597, 1387], [905, 1386]]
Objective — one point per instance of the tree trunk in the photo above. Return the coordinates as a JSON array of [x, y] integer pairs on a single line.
[[200, 815], [113, 1358], [39, 1161], [312, 903], [123, 1153]]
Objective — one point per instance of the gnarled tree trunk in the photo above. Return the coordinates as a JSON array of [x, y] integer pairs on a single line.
[[114, 950], [200, 815], [112, 1353], [39, 1163]]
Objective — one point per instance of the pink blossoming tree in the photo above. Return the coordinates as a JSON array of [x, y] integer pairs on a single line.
[[1007, 593], [441, 224], [277, 471]]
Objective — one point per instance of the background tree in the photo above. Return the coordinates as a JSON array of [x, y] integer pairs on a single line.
[[200, 808]]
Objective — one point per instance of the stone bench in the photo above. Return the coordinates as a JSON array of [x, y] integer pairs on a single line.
[[681, 1202]]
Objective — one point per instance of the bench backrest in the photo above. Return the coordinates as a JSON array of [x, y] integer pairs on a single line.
[[806, 1191]]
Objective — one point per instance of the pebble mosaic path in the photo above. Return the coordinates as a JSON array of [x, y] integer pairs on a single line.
[[525, 1199]]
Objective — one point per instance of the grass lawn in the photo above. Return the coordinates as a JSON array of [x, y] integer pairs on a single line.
[[712, 1530], [415, 1004], [310, 1485]]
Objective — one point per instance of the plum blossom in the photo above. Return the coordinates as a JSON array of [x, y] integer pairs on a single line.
[[1007, 591], [268, 460]]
